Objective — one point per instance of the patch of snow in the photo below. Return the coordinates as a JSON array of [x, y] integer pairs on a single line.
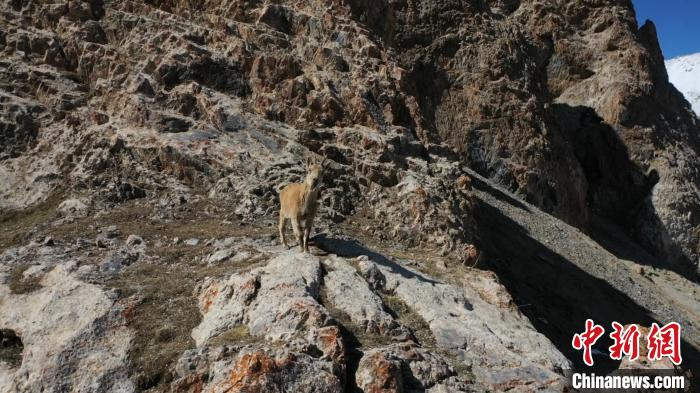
[[684, 73]]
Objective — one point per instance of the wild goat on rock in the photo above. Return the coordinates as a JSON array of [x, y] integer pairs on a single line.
[[298, 203]]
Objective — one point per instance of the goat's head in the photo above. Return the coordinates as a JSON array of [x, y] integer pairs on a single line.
[[314, 174]]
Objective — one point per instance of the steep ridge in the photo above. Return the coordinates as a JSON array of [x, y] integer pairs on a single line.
[[565, 276], [567, 104]]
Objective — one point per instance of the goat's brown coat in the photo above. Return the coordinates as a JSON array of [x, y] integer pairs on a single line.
[[298, 203]]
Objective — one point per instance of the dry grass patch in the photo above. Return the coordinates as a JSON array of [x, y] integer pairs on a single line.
[[167, 311], [239, 334], [19, 284], [409, 318], [17, 224], [162, 318]]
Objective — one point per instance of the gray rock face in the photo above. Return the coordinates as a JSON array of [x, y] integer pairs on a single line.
[[118, 260], [221, 255], [476, 323], [277, 303], [18, 128], [405, 367], [486, 336], [73, 335], [274, 301], [348, 292], [74, 207]]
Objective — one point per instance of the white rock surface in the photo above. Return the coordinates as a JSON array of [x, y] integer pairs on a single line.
[[350, 293], [73, 207], [221, 255], [273, 301], [66, 326], [295, 347]]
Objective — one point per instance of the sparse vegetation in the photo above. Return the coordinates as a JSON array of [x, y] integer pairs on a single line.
[[410, 319], [17, 224], [20, 284], [160, 298], [236, 335]]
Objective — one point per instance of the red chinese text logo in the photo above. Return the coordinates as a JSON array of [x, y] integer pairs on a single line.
[[586, 340], [662, 341], [665, 342], [626, 342]]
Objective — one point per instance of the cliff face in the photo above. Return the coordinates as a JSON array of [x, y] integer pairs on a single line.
[[92, 75], [177, 122], [568, 104]]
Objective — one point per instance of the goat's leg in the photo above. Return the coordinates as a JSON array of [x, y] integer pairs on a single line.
[[297, 232], [307, 234], [281, 226]]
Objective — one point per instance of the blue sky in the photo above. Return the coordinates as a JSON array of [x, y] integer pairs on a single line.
[[677, 24]]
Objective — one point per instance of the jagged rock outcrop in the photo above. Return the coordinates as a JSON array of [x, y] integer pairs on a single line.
[[274, 301], [348, 292], [567, 104], [485, 338], [142, 146], [202, 103], [278, 304]]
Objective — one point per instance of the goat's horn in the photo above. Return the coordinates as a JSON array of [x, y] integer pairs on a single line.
[[323, 161]]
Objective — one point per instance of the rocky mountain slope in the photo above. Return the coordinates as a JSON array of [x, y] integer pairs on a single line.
[[484, 157], [684, 73]]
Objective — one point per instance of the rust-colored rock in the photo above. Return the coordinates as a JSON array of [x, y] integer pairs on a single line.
[[251, 372], [377, 374]]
